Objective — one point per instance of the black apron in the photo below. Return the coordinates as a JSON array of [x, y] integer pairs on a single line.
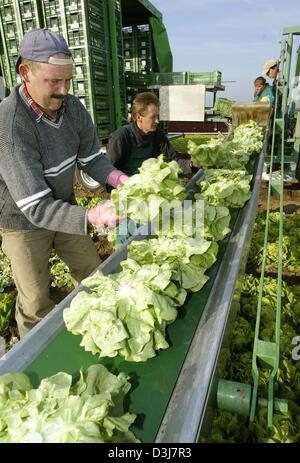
[[137, 156]]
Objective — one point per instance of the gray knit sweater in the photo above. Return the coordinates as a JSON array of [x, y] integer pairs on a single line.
[[37, 164]]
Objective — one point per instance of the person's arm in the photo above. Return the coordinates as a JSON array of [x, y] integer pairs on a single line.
[[271, 96], [22, 171], [170, 154], [163, 146], [89, 157], [119, 147], [91, 160]]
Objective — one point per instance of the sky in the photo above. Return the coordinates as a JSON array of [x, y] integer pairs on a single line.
[[235, 37]]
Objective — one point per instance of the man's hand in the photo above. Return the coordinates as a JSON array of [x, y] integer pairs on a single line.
[[104, 215], [123, 179]]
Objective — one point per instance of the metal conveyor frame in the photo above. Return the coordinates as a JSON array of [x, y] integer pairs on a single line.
[[185, 414]]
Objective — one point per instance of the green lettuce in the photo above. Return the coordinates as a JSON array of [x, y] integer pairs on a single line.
[[205, 221], [56, 412], [223, 187], [126, 313], [155, 187], [231, 153], [188, 258], [249, 136]]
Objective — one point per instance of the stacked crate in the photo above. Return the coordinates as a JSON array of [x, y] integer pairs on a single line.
[[122, 84], [144, 49], [85, 26], [129, 60], [16, 18], [138, 54], [138, 57]]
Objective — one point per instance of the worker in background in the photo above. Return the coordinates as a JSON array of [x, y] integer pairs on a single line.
[[263, 92], [44, 132], [133, 143], [271, 70]]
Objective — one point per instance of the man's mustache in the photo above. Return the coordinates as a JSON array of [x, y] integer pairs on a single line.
[[58, 97]]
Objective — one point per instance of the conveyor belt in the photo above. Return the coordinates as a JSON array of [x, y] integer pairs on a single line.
[[169, 392]]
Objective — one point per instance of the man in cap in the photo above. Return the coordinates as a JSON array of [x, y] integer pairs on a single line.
[[44, 133], [271, 69]]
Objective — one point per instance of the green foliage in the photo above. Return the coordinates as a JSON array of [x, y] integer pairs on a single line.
[[7, 305], [210, 222], [242, 334], [223, 106], [88, 202], [6, 278], [249, 136], [188, 258], [60, 273], [290, 245], [218, 153], [228, 427]]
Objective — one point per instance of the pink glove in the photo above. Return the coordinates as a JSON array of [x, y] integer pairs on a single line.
[[103, 215], [117, 177], [123, 179]]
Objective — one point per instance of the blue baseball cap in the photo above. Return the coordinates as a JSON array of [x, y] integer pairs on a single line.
[[41, 44]]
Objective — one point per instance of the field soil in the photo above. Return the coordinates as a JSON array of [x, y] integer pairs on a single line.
[[291, 204], [291, 198]]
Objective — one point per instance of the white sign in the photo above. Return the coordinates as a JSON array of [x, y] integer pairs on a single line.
[[182, 103]]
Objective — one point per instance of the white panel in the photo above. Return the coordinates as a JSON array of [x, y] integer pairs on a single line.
[[182, 103]]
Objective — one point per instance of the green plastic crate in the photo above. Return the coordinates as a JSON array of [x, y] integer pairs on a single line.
[[144, 64], [134, 79], [205, 78], [137, 45], [168, 78], [16, 18], [81, 22], [85, 26], [223, 106]]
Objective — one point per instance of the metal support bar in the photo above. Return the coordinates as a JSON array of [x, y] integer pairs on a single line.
[[266, 354], [115, 62]]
